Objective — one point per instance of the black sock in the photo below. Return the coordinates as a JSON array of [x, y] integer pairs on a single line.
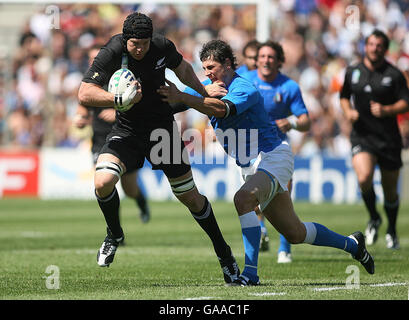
[[391, 209], [110, 208], [206, 219], [369, 198], [141, 202]]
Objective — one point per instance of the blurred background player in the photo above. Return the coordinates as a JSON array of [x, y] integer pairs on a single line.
[[379, 92], [102, 120], [282, 99], [249, 53]]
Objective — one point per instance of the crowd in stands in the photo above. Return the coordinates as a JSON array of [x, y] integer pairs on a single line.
[[37, 107]]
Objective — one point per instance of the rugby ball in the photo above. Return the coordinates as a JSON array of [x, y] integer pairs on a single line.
[[120, 81]]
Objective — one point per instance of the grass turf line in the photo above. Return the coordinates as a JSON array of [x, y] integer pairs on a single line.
[[170, 258]]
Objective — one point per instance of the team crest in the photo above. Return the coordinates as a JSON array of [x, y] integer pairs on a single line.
[[387, 81], [277, 98], [160, 63]]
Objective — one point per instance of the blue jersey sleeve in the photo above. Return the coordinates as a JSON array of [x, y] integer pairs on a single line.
[[242, 94], [297, 104], [192, 92]]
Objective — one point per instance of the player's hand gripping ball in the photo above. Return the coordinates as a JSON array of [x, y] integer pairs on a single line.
[[125, 87]]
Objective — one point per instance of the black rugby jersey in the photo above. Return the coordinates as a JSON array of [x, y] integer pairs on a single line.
[[99, 126], [150, 72], [386, 85]]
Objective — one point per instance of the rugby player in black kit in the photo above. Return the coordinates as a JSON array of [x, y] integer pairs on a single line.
[[379, 92], [147, 55], [102, 120]]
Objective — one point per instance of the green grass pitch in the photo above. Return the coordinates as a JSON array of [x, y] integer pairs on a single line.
[[171, 258]]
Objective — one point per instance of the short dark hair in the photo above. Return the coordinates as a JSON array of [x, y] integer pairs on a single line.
[[379, 34], [277, 47], [253, 44], [219, 51]]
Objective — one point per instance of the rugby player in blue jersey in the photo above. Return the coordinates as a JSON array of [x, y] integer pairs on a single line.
[[286, 109], [249, 53], [266, 163]]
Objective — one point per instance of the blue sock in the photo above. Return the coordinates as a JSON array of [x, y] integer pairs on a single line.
[[284, 245], [251, 230], [319, 235], [263, 227]]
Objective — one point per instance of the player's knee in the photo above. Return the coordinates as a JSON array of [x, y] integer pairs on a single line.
[[293, 236], [193, 200], [104, 184], [365, 180], [106, 176], [103, 189], [244, 201]]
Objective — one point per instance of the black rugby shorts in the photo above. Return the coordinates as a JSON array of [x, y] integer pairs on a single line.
[[388, 158], [162, 147]]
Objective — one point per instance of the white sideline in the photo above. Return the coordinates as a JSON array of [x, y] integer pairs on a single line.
[[388, 284], [268, 294]]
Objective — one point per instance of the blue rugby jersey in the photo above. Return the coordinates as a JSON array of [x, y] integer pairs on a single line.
[[282, 97], [247, 143]]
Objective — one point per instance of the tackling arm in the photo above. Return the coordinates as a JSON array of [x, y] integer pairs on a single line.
[[209, 106], [188, 77]]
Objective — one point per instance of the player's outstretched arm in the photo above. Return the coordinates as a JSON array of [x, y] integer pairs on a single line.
[[187, 76], [209, 106]]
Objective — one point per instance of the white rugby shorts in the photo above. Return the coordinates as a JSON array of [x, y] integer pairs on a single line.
[[278, 164]]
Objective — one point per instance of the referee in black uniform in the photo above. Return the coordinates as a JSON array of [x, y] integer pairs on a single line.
[[143, 114], [102, 120], [379, 92]]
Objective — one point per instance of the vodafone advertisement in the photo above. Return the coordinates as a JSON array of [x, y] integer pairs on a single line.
[[68, 174], [19, 173]]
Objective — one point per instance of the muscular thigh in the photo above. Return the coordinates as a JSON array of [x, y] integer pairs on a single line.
[[258, 185], [364, 166], [167, 151]]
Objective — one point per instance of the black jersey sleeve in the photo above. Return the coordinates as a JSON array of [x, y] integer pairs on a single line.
[[179, 107], [106, 62], [401, 88], [173, 57], [346, 88]]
